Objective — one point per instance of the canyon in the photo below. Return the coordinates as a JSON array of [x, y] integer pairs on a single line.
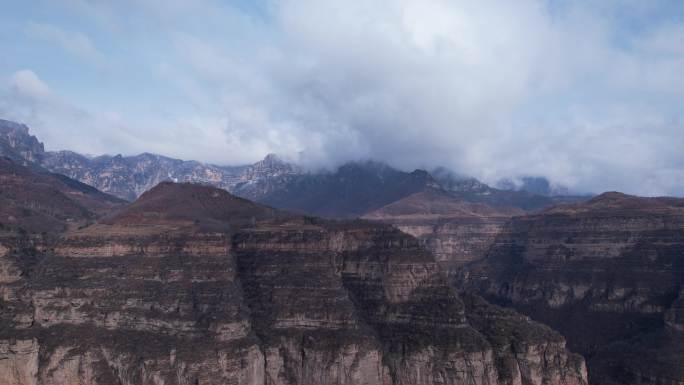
[[456, 231], [606, 273], [268, 277], [192, 285]]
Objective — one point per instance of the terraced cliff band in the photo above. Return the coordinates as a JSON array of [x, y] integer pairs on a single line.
[[192, 285], [606, 273]]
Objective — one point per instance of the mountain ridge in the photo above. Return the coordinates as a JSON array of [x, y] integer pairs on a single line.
[[271, 180], [36, 201]]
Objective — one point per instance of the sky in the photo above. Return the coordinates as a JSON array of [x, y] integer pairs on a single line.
[[589, 94]]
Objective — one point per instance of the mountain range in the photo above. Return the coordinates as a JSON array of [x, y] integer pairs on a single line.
[[351, 190], [192, 285], [264, 274]]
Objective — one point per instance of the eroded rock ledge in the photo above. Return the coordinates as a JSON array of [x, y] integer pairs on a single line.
[[165, 298], [607, 273]]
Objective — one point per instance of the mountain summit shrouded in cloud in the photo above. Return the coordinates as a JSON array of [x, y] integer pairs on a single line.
[[587, 94]]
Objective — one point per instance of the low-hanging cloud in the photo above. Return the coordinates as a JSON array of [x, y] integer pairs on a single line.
[[585, 94]]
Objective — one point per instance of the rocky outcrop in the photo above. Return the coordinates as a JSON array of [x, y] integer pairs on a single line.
[[457, 232], [605, 273], [379, 300], [130, 176], [263, 178], [18, 145], [190, 285], [134, 304]]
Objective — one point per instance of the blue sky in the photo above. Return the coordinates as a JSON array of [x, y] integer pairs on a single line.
[[586, 93]]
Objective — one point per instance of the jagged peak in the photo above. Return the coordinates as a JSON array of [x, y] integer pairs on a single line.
[[272, 157], [15, 126], [272, 160], [68, 154]]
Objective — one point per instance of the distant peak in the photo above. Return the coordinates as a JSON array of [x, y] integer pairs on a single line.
[[611, 197], [425, 176], [170, 202], [368, 165], [272, 159], [613, 200], [15, 126]]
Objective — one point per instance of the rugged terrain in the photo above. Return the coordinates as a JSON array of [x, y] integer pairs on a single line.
[[191, 285], [607, 273], [17, 144], [130, 176], [350, 190], [35, 201], [457, 232]]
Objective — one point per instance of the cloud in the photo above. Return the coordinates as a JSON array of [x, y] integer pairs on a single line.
[[26, 84], [584, 93], [665, 40], [61, 124], [75, 43]]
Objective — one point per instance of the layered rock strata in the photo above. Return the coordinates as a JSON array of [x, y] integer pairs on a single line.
[[190, 285], [455, 231], [605, 273]]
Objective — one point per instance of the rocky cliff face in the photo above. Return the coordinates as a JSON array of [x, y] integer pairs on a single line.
[[128, 177], [457, 232], [605, 273], [264, 178], [653, 357], [18, 145], [190, 285]]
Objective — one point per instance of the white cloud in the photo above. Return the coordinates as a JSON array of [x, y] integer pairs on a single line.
[[26, 84], [492, 88], [75, 43], [667, 39], [24, 97]]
